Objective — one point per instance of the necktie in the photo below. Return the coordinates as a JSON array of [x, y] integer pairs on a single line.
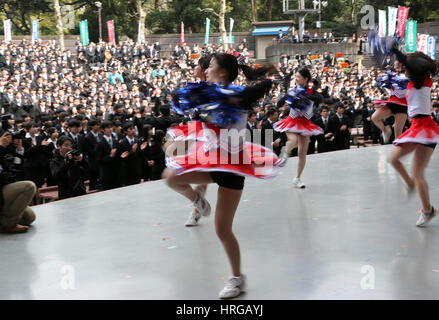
[[326, 123]]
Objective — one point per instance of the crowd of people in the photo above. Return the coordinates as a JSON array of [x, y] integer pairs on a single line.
[[103, 114]]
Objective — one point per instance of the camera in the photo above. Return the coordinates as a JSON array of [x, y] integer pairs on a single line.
[[74, 153], [21, 134], [4, 121]]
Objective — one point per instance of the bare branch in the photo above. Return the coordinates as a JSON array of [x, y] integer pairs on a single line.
[[208, 10]]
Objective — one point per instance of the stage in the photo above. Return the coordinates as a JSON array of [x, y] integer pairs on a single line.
[[350, 234]]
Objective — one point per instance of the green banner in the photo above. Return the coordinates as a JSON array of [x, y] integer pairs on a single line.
[[83, 30], [206, 39], [411, 36]]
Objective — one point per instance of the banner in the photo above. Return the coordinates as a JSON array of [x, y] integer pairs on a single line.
[[431, 47], [411, 36], [110, 28], [231, 28], [139, 33], [206, 38], [83, 31], [422, 43], [382, 23], [8, 32], [403, 13], [393, 15], [35, 31], [182, 34]]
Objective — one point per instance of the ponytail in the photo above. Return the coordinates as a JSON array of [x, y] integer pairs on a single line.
[[254, 74]]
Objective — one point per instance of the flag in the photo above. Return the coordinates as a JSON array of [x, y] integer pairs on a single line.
[[231, 28], [83, 31], [381, 23], [431, 47], [110, 28], [393, 13], [8, 32], [182, 34], [35, 30], [411, 36], [206, 38], [422, 43], [403, 13], [139, 33]]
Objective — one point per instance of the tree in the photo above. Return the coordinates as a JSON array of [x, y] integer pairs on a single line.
[[59, 24], [221, 18]]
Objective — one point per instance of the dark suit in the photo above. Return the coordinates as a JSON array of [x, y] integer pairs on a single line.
[[267, 125], [323, 144], [109, 166], [89, 148], [130, 164], [435, 117], [34, 162], [342, 137], [369, 128]]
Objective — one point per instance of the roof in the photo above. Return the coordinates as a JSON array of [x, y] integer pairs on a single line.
[[268, 31]]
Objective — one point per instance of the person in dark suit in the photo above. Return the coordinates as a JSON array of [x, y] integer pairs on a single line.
[[325, 140], [108, 159], [75, 135], [130, 156], [251, 125], [435, 113], [91, 141], [164, 121], [33, 163], [341, 124], [370, 130], [145, 144], [157, 155], [267, 128]]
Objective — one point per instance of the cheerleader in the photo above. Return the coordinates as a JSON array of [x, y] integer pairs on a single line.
[[179, 136], [298, 126], [396, 105], [222, 157], [423, 135]]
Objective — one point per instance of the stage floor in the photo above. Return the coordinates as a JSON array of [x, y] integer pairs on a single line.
[[350, 234]]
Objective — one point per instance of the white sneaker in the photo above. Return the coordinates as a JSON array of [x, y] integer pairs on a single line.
[[283, 155], [386, 135], [193, 218], [234, 287], [298, 184], [425, 217], [201, 203]]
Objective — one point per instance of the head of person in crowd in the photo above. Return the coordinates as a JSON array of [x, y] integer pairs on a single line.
[[147, 132], [129, 129], [117, 127], [252, 117], [107, 128], [64, 144], [339, 108], [272, 114], [324, 111], [159, 137], [32, 128], [94, 125], [53, 134], [74, 126], [303, 77]]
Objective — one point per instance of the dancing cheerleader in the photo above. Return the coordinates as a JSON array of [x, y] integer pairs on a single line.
[[396, 105], [298, 125], [423, 135], [222, 156], [179, 136]]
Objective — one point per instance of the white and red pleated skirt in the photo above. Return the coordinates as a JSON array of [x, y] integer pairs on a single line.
[[191, 131], [298, 125], [392, 99], [423, 130], [252, 160]]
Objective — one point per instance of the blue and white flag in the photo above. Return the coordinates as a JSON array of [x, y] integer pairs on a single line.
[[431, 47], [393, 16], [139, 33], [35, 31]]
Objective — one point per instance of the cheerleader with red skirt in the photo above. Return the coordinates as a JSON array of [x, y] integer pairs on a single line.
[[298, 125], [182, 137], [222, 156], [423, 135], [396, 105]]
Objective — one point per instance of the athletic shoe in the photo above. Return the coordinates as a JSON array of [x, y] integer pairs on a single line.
[[425, 217], [201, 203], [386, 135], [193, 218], [234, 287], [298, 184], [283, 155]]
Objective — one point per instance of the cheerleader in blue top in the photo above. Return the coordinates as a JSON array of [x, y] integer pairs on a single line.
[[222, 156], [298, 125]]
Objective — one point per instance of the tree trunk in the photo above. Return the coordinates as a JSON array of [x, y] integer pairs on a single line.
[[254, 11], [59, 25], [270, 10], [141, 12], [222, 24], [353, 18]]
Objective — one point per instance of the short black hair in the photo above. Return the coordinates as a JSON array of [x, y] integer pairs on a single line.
[[62, 139], [127, 125], [74, 123], [271, 111], [106, 124]]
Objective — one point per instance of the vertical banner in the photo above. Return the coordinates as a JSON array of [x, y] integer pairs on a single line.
[[8, 32], [431, 47], [403, 13], [83, 31], [393, 15], [382, 23], [35, 31], [206, 38], [411, 36], [110, 28], [231, 28], [422, 43], [182, 34], [139, 33]]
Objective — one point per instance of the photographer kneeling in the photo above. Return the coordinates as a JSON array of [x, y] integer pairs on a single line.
[[15, 214], [68, 167]]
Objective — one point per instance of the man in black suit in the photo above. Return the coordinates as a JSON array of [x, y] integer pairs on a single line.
[[91, 141], [325, 140], [341, 124], [108, 159], [129, 155], [251, 125], [435, 113], [33, 163], [74, 133], [369, 128], [267, 129]]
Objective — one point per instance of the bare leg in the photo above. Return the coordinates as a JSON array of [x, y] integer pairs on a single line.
[[291, 143], [301, 152], [400, 119], [379, 115], [182, 183], [227, 203], [395, 159], [420, 161]]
